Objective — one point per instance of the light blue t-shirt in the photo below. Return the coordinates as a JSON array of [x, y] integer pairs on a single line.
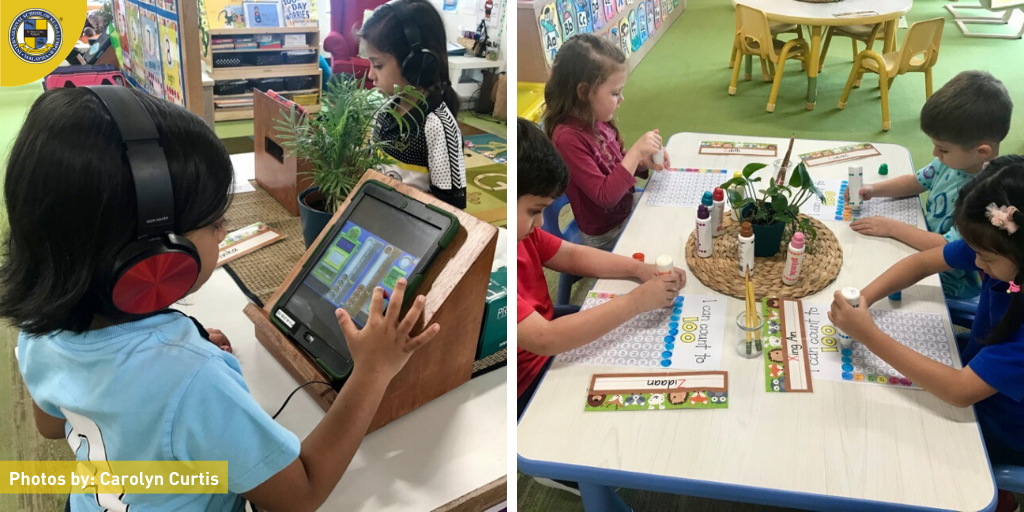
[[155, 389], [943, 184]]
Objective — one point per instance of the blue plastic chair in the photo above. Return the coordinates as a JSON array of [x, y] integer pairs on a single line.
[[962, 311], [1009, 478], [571, 233]]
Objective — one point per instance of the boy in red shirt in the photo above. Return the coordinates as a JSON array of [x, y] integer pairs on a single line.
[[541, 333]]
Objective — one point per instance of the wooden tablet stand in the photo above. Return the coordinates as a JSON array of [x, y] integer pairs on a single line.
[[455, 287], [277, 170]]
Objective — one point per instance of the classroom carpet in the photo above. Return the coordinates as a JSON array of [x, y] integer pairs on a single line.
[[682, 86]]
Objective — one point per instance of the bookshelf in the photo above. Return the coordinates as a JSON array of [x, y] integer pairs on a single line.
[[236, 59]]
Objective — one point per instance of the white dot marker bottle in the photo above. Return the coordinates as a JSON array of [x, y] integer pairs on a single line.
[[664, 264], [703, 231], [659, 157], [746, 246], [856, 181], [717, 210], [852, 296]]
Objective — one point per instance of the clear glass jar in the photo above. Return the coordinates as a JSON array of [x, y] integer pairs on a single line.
[[749, 344], [786, 174]]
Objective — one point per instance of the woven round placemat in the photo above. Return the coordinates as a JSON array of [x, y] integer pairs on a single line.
[[720, 271]]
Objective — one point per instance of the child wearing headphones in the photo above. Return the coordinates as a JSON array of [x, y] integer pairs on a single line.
[[405, 43], [102, 357]]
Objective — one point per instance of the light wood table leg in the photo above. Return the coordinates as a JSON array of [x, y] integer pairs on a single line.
[[812, 70], [601, 498]]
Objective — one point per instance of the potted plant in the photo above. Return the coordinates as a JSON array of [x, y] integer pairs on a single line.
[[776, 209], [339, 144]]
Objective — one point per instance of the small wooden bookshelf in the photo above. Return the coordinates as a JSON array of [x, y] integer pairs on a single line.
[[258, 72]]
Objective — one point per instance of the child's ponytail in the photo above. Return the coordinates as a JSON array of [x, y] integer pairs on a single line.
[[996, 189]]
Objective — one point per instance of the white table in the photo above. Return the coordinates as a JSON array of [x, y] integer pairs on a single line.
[[440, 452], [459, 63], [818, 15], [844, 446]]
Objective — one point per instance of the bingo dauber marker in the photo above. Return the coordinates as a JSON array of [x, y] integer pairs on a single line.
[[856, 181], [852, 296]]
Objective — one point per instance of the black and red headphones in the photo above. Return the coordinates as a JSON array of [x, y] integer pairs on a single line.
[[421, 64], [160, 266]]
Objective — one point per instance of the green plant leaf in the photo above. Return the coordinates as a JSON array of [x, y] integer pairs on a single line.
[[734, 182], [782, 217], [780, 203], [797, 179], [752, 168]]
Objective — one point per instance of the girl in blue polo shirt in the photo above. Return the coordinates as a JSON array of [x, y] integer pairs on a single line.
[[990, 218], [152, 387]]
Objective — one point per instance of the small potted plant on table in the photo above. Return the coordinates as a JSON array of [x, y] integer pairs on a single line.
[[339, 143], [771, 210]]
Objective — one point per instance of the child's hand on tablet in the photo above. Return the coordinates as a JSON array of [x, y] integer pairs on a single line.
[[384, 344]]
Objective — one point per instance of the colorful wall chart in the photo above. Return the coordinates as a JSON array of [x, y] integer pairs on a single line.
[[151, 46]]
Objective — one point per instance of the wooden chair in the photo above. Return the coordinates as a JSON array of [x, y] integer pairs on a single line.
[[919, 53], [754, 38]]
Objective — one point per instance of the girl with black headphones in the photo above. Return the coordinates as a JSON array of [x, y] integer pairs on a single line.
[[405, 43], [116, 204]]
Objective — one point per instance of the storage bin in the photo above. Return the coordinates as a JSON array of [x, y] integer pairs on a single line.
[[227, 87], [299, 83], [266, 59], [266, 84], [228, 60], [300, 57]]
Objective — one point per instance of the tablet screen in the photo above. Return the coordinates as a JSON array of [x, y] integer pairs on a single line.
[[357, 261], [376, 246]]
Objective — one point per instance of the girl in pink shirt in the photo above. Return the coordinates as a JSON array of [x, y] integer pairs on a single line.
[[582, 95]]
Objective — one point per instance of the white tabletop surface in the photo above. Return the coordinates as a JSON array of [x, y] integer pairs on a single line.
[[845, 440], [444, 450], [794, 11]]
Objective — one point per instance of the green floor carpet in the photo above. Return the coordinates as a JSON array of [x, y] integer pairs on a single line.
[[682, 86]]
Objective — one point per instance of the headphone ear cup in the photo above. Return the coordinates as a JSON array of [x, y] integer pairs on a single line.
[[150, 275], [429, 70]]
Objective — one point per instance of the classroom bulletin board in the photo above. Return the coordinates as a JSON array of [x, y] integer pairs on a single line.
[[151, 49]]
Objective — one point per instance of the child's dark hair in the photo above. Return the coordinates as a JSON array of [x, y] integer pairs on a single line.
[[973, 107], [1001, 183], [71, 205], [584, 60], [541, 170], [384, 31]]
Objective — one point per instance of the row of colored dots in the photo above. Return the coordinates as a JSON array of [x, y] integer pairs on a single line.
[[673, 325], [860, 377]]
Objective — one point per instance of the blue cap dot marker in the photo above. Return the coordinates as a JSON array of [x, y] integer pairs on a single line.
[[666, 362]]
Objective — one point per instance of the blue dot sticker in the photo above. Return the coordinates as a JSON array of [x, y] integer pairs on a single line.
[[839, 217], [666, 354], [675, 318], [679, 299], [847, 376], [666, 362], [846, 359], [847, 352], [669, 339], [673, 325], [669, 346], [677, 311], [848, 367], [673, 332]]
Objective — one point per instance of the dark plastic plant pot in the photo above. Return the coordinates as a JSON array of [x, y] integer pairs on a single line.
[[311, 214], [767, 238]]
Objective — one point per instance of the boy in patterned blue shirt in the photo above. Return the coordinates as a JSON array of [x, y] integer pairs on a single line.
[[966, 120]]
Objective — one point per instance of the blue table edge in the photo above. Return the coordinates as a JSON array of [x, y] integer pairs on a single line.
[[717, 490]]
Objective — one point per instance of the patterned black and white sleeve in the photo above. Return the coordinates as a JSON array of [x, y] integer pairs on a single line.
[[444, 158]]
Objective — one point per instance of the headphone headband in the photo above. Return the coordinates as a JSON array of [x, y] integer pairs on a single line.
[[409, 25], [153, 189]]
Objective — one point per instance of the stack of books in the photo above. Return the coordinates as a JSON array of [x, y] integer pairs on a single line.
[[222, 43], [268, 41], [245, 43], [294, 40], [232, 104]]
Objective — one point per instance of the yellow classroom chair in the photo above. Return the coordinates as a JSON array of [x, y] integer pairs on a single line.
[[777, 29], [866, 34], [919, 53], [754, 38]]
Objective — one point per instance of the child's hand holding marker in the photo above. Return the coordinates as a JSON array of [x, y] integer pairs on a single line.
[[855, 321], [656, 293], [647, 271], [866, 192], [645, 148]]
